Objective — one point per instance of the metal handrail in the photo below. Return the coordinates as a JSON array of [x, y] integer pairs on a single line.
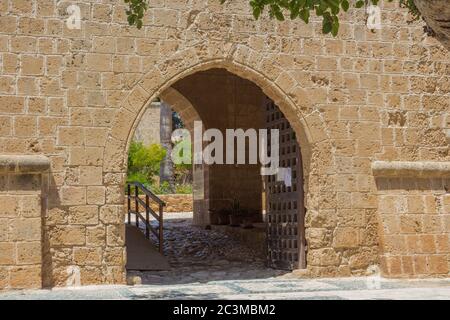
[[147, 192], [139, 187]]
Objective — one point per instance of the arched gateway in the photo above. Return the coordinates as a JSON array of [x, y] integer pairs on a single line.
[[369, 111]]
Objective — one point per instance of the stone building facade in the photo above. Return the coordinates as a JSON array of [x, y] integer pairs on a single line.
[[148, 130], [370, 110]]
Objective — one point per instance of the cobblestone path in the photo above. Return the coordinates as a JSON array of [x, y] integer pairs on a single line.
[[199, 255]]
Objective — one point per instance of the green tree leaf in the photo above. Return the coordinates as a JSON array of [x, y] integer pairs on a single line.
[[345, 5], [326, 26], [359, 4], [335, 26], [304, 15]]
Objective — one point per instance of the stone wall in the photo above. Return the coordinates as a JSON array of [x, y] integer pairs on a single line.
[[447, 130], [22, 209], [148, 129], [177, 202], [174, 203], [414, 213], [77, 95]]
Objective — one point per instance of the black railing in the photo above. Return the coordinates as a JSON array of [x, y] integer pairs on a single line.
[[139, 189]]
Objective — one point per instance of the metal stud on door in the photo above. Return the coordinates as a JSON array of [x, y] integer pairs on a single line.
[[285, 209]]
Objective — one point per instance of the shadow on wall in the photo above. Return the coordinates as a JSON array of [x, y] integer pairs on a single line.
[[52, 214]]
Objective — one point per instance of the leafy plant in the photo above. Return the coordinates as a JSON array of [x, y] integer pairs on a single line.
[[295, 9], [183, 188], [136, 11], [162, 188], [144, 162], [182, 155], [138, 177]]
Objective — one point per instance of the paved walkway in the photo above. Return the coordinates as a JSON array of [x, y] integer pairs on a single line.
[[199, 255], [274, 288]]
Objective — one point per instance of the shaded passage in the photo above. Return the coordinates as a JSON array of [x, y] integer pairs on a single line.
[[199, 255]]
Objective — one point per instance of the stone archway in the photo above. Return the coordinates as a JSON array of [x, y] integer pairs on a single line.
[[226, 101], [292, 100], [306, 120], [181, 105]]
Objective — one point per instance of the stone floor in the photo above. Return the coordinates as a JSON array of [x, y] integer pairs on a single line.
[[199, 255]]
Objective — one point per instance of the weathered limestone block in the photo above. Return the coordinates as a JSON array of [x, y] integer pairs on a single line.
[[96, 236], [112, 214], [115, 234], [83, 215], [26, 277], [87, 256], [67, 235], [346, 238]]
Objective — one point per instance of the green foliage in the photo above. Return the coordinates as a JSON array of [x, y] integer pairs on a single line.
[[136, 11], [327, 9], [138, 177], [144, 162], [295, 9], [183, 165], [183, 188], [163, 188]]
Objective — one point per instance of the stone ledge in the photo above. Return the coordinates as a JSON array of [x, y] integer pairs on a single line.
[[447, 134], [409, 169], [24, 163]]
